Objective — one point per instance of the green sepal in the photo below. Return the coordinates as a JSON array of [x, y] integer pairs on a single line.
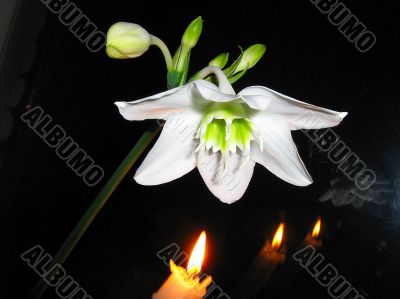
[[178, 78], [192, 33], [237, 76], [231, 70], [176, 56], [251, 56], [181, 61], [183, 75], [172, 79], [220, 61]]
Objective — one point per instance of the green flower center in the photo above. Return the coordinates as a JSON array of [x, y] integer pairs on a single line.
[[225, 127]]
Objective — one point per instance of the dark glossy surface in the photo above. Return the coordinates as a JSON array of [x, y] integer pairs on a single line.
[[307, 58]]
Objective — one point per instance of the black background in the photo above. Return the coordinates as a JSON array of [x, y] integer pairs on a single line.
[[307, 58]]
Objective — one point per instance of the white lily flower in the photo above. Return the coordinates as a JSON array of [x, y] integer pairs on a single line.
[[224, 134]]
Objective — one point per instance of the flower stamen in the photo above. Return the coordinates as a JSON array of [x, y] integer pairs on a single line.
[[225, 127]]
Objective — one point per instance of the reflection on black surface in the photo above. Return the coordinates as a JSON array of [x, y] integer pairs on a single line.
[[306, 58], [344, 192]]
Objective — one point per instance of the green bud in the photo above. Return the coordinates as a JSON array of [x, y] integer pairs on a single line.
[[220, 61], [192, 33], [127, 40], [250, 57]]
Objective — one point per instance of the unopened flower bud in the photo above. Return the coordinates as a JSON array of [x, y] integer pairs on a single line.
[[192, 33], [250, 57], [127, 40], [220, 61]]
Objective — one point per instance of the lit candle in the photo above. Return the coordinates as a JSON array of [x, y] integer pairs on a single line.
[[185, 283], [312, 238], [261, 269], [291, 269], [272, 252]]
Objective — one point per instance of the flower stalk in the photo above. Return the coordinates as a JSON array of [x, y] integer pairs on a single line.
[[154, 40], [127, 40], [125, 46], [101, 199]]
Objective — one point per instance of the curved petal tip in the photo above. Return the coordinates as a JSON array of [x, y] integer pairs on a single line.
[[121, 104], [142, 181], [303, 182], [342, 115], [227, 199]]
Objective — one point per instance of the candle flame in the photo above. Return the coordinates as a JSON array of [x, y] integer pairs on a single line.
[[276, 242], [196, 259], [316, 229]]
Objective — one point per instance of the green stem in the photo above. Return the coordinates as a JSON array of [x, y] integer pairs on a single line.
[[97, 204], [181, 62], [164, 49]]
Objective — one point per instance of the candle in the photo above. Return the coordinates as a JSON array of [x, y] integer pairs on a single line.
[[312, 238], [261, 269], [271, 253], [185, 283], [280, 284]]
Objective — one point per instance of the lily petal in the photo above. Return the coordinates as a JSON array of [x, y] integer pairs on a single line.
[[341, 197], [253, 98], [173, 154], [299, 115], [328, 195], [211, 92], [159, 106], [279, 154], [230, 185]]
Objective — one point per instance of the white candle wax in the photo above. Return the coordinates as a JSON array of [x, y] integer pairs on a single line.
[[183, 284]]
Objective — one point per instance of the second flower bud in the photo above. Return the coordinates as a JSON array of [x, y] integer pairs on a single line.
[[127, 40]]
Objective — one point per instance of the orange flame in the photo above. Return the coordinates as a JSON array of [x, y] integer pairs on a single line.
[[316, 229], [277, 241], [197, 256]]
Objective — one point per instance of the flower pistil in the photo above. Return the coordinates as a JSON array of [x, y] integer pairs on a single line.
[[225, 127]]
